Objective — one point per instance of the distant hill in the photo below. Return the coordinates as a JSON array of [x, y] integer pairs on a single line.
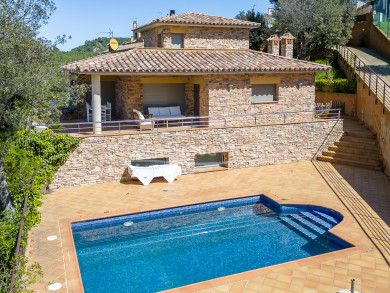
[[89, 49], [97, 45]]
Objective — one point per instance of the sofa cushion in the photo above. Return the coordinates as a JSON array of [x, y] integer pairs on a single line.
[[164, 111], [155, 111], [175, 111]]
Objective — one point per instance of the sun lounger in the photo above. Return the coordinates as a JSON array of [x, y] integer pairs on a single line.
[[146, 174]]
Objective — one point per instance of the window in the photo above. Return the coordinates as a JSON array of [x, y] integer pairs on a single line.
[[263, 92], [210, 160], [177, 41], [149, 162]]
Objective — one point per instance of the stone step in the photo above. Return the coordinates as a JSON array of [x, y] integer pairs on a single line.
[[359, 134], [358, 140], [367, 153], [357, 145], [352, 163], [354, 157]]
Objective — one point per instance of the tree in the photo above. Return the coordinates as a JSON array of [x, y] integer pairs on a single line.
[[30, 86], [258, 36], [316, 24]]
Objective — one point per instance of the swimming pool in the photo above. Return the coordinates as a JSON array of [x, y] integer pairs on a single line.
[[159, 250]]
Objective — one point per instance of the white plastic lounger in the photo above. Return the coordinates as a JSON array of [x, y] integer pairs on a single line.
[[146, 174]]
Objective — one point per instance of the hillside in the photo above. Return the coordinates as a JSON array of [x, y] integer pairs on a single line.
[[97, 45], [89, 49]]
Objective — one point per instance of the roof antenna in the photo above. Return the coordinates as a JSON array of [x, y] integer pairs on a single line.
[[159, 12], [110, 33]]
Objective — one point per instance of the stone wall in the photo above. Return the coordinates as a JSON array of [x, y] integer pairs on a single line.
[[198, 37], [348, 99], [216, 99], [129, 96], [289, 97], [105, 158], [216, 38], [367, 108]]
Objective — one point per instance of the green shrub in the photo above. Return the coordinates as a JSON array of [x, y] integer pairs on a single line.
[[340, 85], [30, 161], [334, 73]]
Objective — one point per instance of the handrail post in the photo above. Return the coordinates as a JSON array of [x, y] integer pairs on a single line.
[[364, 73], [376, 87]]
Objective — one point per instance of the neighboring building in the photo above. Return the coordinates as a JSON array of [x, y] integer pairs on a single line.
[[202, 63]]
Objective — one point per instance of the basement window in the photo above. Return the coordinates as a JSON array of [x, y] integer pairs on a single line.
[[149, 162], [210, 160], [263, 93]]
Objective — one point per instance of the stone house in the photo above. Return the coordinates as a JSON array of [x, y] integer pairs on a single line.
[[202, 64]]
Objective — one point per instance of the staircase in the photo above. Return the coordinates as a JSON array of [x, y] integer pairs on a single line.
[[354, 149]]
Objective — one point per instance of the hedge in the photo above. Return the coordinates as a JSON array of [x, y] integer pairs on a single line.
[[339, 85]]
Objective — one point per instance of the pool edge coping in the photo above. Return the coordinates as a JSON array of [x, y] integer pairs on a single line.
[[72, 270]]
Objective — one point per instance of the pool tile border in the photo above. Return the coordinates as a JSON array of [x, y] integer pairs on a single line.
[[73, 276]]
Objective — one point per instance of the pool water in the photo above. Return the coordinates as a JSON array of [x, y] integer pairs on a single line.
[[159, 250]]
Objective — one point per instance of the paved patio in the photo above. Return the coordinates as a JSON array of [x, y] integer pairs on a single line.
[[302, 182]]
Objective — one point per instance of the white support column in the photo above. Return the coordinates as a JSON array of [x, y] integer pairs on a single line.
[[96, 104]]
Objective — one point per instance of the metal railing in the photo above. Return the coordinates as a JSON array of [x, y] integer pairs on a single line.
[[374, 82], [201, 122]]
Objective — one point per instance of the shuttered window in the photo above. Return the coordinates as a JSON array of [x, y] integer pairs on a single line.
[[263, 92]]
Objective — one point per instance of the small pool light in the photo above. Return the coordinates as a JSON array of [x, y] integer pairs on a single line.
[[55, 286], [130, 223], [51, 238], [220, 209]]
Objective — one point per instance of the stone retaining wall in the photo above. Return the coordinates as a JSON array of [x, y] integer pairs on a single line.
[[105, 158]]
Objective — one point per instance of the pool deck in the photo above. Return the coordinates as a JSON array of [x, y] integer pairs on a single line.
[[360, 195]]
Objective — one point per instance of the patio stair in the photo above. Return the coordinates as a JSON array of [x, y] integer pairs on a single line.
[[354, 149]]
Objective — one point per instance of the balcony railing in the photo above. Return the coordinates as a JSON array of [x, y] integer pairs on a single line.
[[161, 125], [374, 82]]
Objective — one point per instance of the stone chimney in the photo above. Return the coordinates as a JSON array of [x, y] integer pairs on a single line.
[[287, 46], [135, 25], [273, 45]]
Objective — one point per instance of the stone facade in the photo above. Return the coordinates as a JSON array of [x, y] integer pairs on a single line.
[[198, 37], [105, 158], [237, 100], [216, 99]]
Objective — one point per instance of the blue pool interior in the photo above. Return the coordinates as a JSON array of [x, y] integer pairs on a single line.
[[158, 250]]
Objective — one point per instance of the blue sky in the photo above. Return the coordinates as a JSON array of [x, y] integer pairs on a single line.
[[84, 19]]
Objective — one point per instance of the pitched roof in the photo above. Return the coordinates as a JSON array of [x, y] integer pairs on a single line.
[[192, 18], [190, 61]]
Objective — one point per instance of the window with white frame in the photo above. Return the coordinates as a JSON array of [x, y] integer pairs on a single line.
[[263, 93]]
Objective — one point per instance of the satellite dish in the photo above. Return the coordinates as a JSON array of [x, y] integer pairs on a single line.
[[113, 44]]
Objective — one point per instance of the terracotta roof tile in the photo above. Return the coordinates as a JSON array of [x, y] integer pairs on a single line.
[[146, 60], [192, 18]]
